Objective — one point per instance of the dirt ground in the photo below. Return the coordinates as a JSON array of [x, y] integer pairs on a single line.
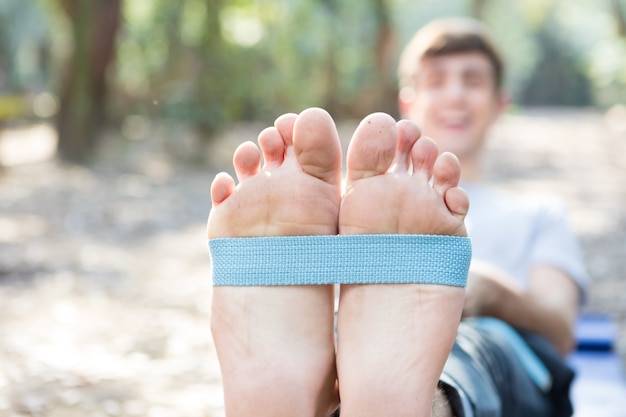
[[104, 272]]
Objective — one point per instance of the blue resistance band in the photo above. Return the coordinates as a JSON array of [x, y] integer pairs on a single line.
[[340, 259]]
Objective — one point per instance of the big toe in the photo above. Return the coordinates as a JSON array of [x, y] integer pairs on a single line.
[[316, 145], [373, 147]]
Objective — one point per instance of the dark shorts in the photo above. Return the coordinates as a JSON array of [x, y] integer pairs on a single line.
[[483, 364], [494, 382]]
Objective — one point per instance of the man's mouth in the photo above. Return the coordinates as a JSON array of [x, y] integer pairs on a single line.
[[455, 121], [456, 125]]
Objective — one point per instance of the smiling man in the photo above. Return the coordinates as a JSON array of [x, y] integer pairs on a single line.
[[451, 79], [527, 275]]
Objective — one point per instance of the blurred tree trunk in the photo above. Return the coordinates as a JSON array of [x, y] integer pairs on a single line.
[[84, 89], [478, 9], [559, 78], [331, 99], [380, 93], [620, 17], [385, 42], [211, 94]]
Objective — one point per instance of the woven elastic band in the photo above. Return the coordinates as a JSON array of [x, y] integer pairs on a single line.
[[340, 259]]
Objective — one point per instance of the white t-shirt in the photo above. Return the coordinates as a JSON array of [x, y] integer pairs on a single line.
[[515, 233]]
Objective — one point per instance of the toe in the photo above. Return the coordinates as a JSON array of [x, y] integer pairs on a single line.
[[284, 124], [408, 135], [272, 146], [446, 172], [457, 201], [247, 160], [223, 186], [423, 155], [316, 145], [372, 148]]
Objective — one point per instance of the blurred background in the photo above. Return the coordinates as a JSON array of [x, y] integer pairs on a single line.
[[116, 114], [92, 66]]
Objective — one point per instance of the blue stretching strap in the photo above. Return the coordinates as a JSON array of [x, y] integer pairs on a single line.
[[340, 259]]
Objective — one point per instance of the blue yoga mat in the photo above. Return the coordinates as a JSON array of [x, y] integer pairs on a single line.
[[599, 389]]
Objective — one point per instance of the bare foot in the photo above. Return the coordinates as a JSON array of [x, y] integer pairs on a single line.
[[393, 340], [275, 345]]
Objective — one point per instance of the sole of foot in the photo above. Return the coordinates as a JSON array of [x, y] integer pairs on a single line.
[[275, 345], [393, 340]]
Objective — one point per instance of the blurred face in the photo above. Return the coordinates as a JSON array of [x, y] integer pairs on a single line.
[[454, 101]]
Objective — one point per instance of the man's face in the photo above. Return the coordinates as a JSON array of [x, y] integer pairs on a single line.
[[455, 101]]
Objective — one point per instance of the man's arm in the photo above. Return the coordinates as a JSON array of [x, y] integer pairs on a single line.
[[549, 306]]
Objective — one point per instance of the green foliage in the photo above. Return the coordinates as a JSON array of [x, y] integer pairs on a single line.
[[23, 41], [211, 62]]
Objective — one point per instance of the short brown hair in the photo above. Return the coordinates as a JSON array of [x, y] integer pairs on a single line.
[[445, 37]]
